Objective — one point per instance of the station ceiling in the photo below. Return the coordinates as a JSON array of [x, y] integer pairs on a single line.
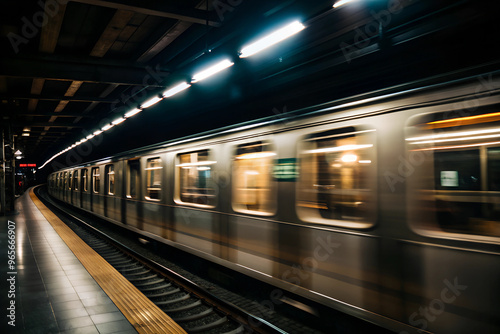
[[68, 67]]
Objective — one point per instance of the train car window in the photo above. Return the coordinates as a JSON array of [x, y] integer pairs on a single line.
[[96, 180], [454, 189], [110, 179], [65, 178], [133, 172], [70, 180], [337, 180], [153, 179], [194, 179], [84, 180], [254, 190], [75, 180]]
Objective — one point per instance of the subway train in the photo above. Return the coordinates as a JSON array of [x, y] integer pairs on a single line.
[[385, 206]]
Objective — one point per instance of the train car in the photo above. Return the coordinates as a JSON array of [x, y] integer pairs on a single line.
[[385, 206]]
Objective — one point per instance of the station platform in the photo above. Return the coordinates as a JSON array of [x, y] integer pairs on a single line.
[[54, 283]]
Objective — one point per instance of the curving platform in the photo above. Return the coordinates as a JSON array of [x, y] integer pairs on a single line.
[[58, 284]]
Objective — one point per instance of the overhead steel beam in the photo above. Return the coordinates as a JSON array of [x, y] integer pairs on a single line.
[[51, 30], [158, 8], [44, 124], [57, 69], [50, 114], [111, 33], [57, 98]]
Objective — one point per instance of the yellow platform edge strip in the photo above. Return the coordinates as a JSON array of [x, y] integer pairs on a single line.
[[142, 313]]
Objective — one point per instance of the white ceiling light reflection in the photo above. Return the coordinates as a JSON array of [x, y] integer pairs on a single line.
[[349, 158], [339, 148]]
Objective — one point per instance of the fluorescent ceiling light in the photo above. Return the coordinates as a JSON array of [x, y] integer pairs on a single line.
[[132, 112], [150, 102], [212, 70], [341, 3], [90, 136], [18, 152], [174, 90], [107, 127], [271, 39], [98, 132], [118, 121], [25, 134]]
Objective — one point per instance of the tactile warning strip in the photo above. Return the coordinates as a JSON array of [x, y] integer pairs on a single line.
[[145, 316]]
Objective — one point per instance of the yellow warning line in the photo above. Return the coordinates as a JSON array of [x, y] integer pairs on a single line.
[[145, 316]]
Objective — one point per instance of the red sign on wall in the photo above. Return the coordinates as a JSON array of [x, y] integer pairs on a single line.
[[27, 165]]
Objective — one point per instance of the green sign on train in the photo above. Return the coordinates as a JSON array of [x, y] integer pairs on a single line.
[[285, 169]]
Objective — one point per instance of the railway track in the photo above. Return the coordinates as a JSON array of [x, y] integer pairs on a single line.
[[191, 306]]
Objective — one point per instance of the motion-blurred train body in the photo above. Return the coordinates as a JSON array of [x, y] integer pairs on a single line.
[[385, 206]]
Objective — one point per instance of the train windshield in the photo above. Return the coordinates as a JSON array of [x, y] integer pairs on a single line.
[[456, 184], [336, 183]]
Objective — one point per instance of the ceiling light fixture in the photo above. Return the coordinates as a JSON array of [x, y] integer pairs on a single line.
[[214, 69], [174, 90], [341, 3], [118, 121], [151, 102], [107, 127], [271, 39], [132, 113]]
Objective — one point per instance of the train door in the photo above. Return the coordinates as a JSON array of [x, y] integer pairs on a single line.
[[94, 188], [76, 189], [65, 187], [58, 186], [84, 195], [109, 191], [133, 207], [153, 213], [69, 195]]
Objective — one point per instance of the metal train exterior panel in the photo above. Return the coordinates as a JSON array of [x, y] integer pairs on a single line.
[[386, 207]]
